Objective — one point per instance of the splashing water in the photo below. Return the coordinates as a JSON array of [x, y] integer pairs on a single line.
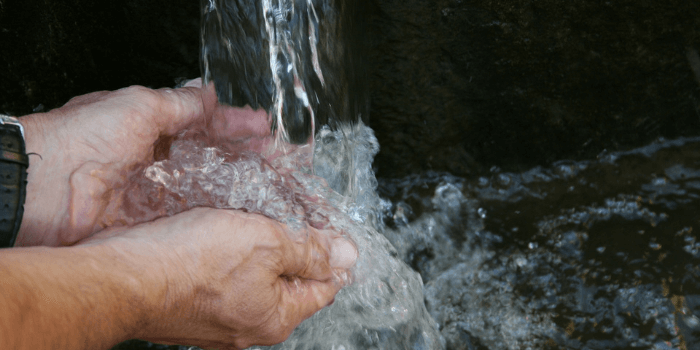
[[383, 308], [301, 61], [594, 254]]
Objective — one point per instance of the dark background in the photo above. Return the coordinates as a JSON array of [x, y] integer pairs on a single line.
[[456, 85]]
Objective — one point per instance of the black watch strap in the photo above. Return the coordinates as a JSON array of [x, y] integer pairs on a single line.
[[13, 179]]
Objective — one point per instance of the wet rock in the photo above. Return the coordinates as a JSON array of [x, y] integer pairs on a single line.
[[53, 50], [522, 83]]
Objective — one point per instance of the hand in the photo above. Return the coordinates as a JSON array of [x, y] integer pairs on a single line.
[[86, 148], [227, 279]]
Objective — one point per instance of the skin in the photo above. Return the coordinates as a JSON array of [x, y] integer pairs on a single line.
[[206, 277], [87, 148]]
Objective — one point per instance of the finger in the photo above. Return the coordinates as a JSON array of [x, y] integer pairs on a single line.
[[211, 102], [235, 123], [312, 297], [241, 122], [196, 83], [178, 109], [309, 259], [343, 254]]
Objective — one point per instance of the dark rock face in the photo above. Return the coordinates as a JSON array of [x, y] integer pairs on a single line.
[[459, 83], [456, 85], [53, 50]]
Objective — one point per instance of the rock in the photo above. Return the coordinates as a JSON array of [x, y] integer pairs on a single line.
[[460, 85], [53, 50]]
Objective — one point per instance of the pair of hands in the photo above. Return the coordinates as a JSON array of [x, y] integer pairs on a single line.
[[83, 152], [226, 278]]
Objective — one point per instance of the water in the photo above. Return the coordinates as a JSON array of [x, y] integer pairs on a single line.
[[303, 61], [598, 254], [383, 308]]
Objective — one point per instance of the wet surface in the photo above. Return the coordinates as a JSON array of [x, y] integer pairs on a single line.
[[599, 254], [462, 84], [581, 255]]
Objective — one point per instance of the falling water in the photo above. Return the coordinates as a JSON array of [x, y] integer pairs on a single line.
[[300, 60]]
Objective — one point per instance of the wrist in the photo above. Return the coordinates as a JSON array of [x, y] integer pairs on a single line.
[[159, 284], [44, 176], [79, 297]]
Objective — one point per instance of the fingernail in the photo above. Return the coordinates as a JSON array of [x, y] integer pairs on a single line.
[[343, 254], [194, 83]]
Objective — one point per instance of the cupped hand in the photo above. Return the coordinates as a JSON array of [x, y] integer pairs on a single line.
[[83, 150], [227, 279]]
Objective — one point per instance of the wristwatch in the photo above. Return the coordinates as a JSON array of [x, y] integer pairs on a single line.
[[13, 178]]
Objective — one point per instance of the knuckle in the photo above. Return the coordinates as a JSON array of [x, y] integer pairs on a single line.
[[145, 95]]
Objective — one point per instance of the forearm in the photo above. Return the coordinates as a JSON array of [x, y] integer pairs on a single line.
[[67, 298]]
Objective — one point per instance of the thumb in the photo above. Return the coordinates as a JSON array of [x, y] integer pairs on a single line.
[[320, 257], [89, 195], [311, 297], [179, 108]]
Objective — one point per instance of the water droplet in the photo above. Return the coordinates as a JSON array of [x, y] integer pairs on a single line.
[[659, 181], [692, 321], [504, 179]]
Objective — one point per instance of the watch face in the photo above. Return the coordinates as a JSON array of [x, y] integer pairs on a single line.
[[13, 179]]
